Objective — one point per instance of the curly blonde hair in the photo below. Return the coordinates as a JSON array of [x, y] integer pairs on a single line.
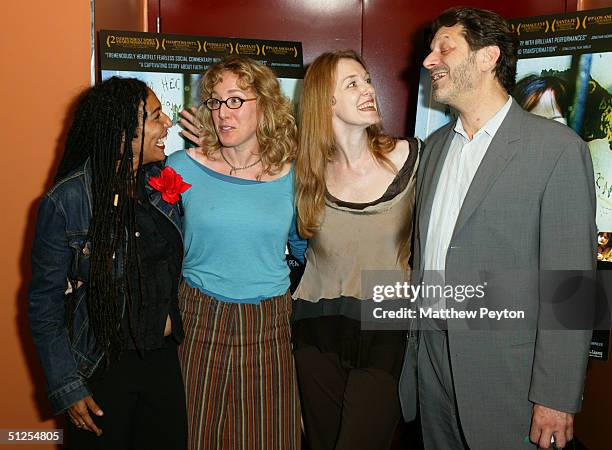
[[276, 128]]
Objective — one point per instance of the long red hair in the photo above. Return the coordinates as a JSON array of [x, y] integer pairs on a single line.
[[316, 139]]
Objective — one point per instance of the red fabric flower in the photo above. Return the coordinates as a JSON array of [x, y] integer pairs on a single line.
[[170, 184]]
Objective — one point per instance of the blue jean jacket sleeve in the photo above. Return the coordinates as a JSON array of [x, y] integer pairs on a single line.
[[51, 259], [297, 245]]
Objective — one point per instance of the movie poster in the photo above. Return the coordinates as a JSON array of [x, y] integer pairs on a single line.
[[172, 65], [564, 73]]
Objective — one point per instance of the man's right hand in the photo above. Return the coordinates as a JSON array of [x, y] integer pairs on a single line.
[[79, 414]]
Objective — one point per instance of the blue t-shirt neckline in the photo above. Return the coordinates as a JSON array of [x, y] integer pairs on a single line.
[[228, 178]]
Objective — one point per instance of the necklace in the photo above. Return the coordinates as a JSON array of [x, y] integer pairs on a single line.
[[234, 169]]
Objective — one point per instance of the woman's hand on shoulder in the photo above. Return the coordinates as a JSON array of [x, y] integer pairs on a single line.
[[79, 414], [192, 128]]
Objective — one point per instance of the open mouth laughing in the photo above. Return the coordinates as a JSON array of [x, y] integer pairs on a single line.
[[438, 75], [161, 142], [368, 105]]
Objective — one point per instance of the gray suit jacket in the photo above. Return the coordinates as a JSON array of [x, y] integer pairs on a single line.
[[530, 208]]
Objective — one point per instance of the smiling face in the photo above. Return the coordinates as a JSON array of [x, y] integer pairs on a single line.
[[354, 101], [155, 132], [452, 66], [235, 128]]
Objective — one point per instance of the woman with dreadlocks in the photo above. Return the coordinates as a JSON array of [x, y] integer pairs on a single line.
[[106, 263]]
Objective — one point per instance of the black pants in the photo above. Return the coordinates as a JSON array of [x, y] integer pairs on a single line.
[[143, 401], [345, 408]]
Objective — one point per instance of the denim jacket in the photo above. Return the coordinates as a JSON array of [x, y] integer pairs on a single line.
[[60, 255]]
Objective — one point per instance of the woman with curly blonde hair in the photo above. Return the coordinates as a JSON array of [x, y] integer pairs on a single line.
[[239, 216]]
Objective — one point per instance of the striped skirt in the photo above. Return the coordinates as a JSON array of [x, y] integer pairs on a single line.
[[239, 373]]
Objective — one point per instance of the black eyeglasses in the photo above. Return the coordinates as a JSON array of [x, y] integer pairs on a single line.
[[232, 102]]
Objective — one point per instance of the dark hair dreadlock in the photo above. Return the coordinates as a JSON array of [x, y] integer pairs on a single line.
[[106, 122]]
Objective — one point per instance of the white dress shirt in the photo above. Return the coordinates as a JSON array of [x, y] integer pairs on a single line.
[[462, 161]]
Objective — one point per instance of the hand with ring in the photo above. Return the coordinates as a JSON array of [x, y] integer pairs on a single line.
[[79, 414]]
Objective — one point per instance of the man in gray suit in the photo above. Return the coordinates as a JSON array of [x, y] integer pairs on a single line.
[[507, 195]]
